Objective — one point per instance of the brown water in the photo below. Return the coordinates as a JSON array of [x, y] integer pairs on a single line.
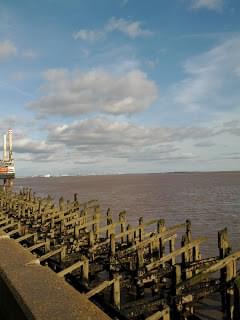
[[210, 200]]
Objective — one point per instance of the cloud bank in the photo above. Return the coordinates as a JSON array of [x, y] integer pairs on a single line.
[[76, 93]]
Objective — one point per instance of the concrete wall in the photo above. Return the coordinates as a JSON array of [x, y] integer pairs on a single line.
[[31, 291]]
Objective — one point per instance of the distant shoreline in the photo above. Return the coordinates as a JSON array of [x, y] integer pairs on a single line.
[[132, 174]]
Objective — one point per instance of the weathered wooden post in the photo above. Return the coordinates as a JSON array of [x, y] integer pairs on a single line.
[[186, 258], [231, 272], [76, 231], [109, 223], [85, 270], [63, 253], [117, 291], [172, 248], [176, 280], [122, 220], [61, 203], [188, 230], [237, 298], [140, 258], [97, 221], [129, 235], [161, 228], [112, 244], [224, 250], [91, 239], [141, 229]]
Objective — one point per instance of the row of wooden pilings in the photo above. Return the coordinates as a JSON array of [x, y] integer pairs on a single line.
[[90, 243]]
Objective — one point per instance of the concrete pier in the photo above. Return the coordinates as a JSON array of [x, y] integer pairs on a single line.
[[31, 291]]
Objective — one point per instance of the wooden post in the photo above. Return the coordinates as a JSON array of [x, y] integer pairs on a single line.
[[176, 278], [140, 232], [223, 244], [237, 298], [61, 203], [76, 231], [97, 223], [85, 270], [171, 249], [129, 235], [161, 225], [122, 220], [140, 258], [161, 228], [112, 244], [188, 230], [117, 292], [186, 258], [109, 223], [63, 253], [230, 275], [91, 240], [224, 251]]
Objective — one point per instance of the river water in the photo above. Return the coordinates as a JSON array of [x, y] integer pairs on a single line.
[[210, 200]]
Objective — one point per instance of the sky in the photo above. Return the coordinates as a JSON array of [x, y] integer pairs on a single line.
[[120, 86]]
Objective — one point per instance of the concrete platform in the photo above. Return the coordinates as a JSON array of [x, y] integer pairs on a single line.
[[31, 291]]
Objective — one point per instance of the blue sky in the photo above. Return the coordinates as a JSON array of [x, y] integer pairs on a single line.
[[92, 87]]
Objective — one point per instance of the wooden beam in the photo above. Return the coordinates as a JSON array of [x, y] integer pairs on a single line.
[[99, 288], [25, 237], [213, 268], [50, 254], [146, 242], [36, 246], [174, 254], [70, 269]]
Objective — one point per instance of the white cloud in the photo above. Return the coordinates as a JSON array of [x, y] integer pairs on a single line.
[[7, 49], [76, 93], [132, 29], [211, 81], [26, 145], [215, 5], [88, 35]]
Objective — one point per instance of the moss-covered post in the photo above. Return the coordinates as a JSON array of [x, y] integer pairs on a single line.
[[122, 221], [186, 258], [129, 235], [85, 270], [112, 244], [140, 229], [171, 249], [91, 239], [161, 228], [236, 315], [109, 223], [117, 291], [231, 272], [61, 203], [97, 221], [224, 250]]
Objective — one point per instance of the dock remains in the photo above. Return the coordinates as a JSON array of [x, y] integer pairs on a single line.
[[149, 271]]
